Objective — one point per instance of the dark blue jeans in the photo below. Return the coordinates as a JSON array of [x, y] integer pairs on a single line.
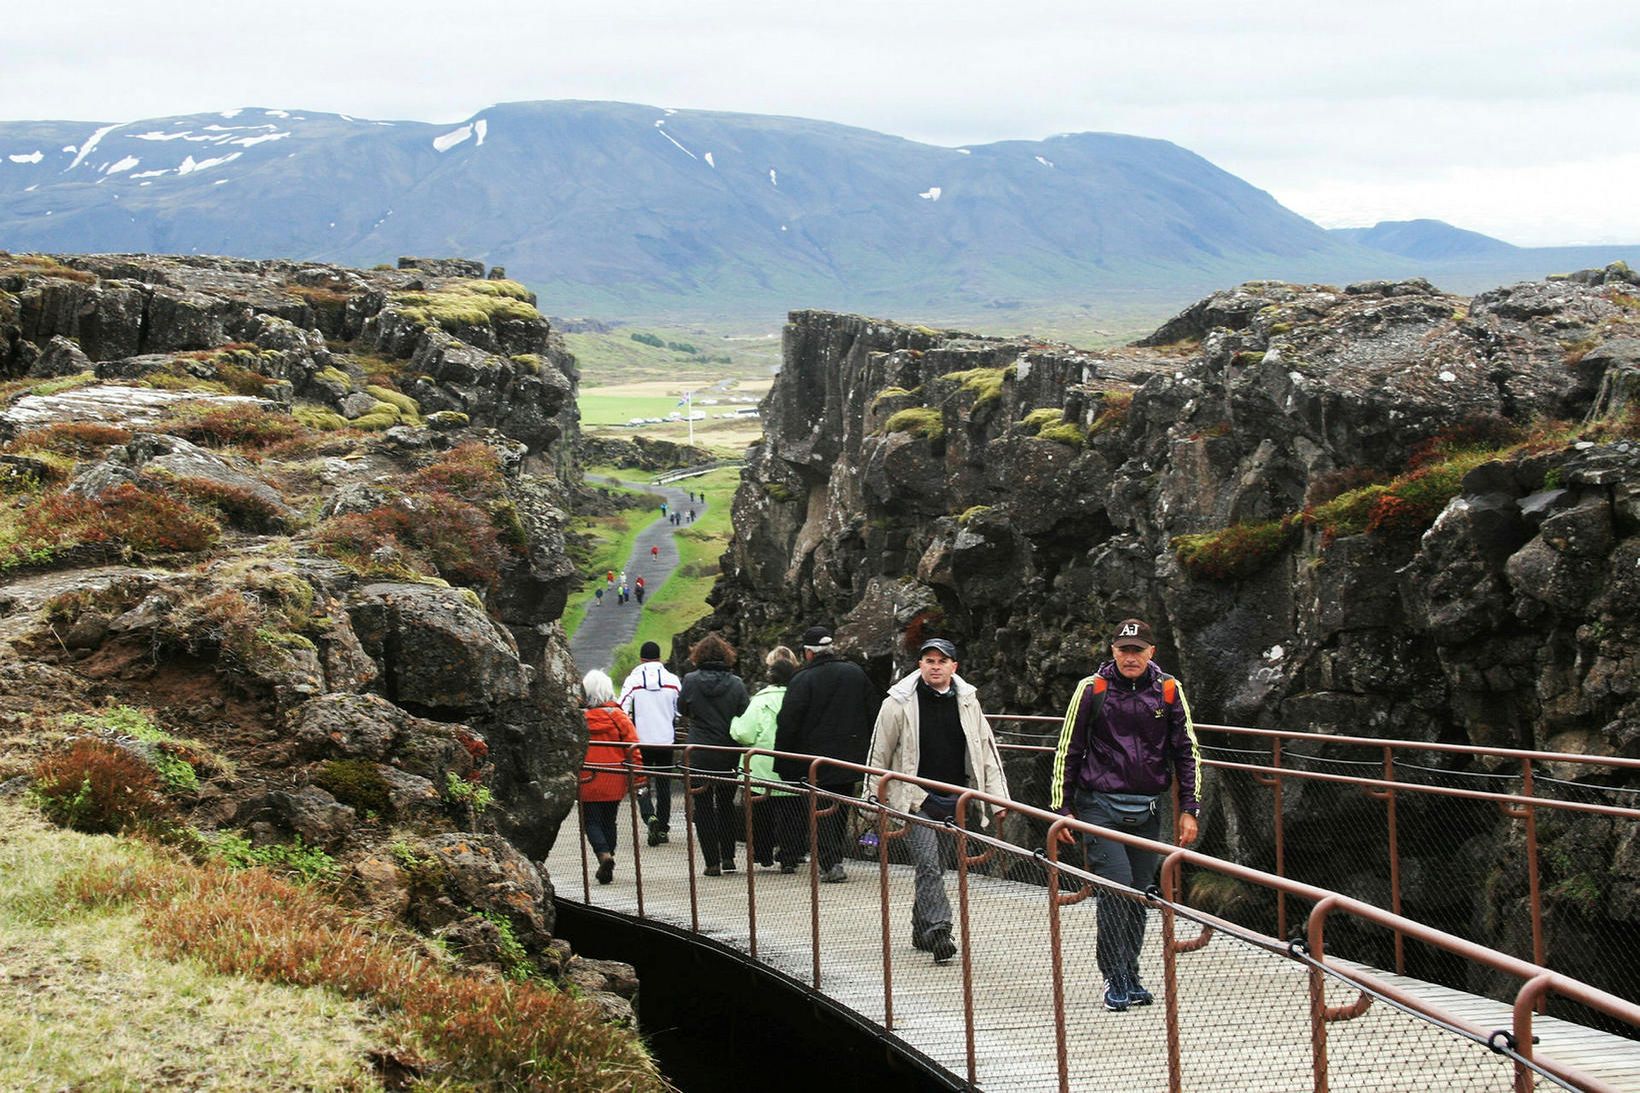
[[655, 798], [1121, 918], [601, 825]]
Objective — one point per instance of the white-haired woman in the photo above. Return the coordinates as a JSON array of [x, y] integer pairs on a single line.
[[603, 776]]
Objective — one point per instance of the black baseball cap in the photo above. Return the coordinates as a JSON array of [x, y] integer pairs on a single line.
[[1134, 633], [650, 651], [816, 637], [941, 644]]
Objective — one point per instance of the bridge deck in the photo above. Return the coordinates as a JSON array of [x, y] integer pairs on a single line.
[[1243, 1011]]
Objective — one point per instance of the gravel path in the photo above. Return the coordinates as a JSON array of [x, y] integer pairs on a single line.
[[609, 625]]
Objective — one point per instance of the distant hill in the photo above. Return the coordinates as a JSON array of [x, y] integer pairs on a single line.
[[1425, 239], [621, 209]]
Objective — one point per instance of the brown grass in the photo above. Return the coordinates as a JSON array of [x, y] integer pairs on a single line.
[[493, 1034]]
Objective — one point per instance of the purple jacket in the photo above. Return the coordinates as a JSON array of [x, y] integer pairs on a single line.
[[1137, 744]]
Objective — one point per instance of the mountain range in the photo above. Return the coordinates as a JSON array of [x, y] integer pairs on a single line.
[[630, 210]]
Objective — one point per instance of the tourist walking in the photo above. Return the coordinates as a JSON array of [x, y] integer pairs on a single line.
[[598, 596], [1127, 735], [604, 776], [829, 708], [650, 696], [931, 726], [654, 555], [711, 698], [776, 828]]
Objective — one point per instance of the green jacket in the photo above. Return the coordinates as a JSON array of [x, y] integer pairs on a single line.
[[756, 728]]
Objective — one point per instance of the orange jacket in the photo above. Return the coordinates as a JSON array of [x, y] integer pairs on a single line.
[[606, 724]]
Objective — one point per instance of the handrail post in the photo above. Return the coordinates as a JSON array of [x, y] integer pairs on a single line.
[[1533, 994], [963, 926], [689, 835], [586, 875], [1394, 859], [1172, 892], [1055, 952], [1318, 991], [814, 869], [882, 900], [632, 813], [746, 802], [1281, 838], [1533, 882]]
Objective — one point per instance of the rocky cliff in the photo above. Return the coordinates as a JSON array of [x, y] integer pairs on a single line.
[[1378, 510], [299, 528]]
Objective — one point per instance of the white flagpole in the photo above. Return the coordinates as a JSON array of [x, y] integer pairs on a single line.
[[689, 413]]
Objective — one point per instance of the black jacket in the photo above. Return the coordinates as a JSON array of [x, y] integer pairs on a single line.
[[829, 709], [712, 697]]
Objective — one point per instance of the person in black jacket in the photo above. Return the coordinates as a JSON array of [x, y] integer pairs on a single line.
[[713, 696], [829, 710]]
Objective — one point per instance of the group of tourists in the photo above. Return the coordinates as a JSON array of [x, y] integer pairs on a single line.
[[1126, 739]]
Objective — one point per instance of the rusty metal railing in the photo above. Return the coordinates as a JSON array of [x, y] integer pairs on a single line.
[[1392, 761], [1239, 1007]]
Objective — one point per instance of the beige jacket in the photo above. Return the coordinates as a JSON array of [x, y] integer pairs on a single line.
[[896, 745]]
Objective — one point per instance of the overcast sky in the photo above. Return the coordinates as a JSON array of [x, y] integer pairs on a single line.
[[1518, 120]]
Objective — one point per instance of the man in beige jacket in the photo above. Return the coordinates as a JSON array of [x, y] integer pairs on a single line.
[[930, 726]]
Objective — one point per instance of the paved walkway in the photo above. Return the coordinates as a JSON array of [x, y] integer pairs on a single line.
[[609, 625]]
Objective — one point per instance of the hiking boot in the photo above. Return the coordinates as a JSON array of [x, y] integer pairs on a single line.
[[788, 867], [606, 868], [656, 835], [942, 946], [1137, 995], [729, 866], [1116, 994], [834, 875], [712, 871]]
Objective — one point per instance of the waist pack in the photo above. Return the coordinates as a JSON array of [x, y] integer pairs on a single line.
[[1129, 809], [940, 806]]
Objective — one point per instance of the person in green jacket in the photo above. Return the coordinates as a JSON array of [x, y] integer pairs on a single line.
[[776, 820]]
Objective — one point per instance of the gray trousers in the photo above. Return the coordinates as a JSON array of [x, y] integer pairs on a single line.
[[1121, 919], [931, 912]]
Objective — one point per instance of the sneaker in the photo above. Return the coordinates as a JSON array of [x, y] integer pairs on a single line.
[[729, 866], [712, 871], [606, 870], [666, 836], [942, 946], [788, 867], [834, 875], [766, 862], [1137, 995], [656, 835], [1116, 995]]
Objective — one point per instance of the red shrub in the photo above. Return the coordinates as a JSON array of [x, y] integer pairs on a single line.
[[247, 426], [469, 471], [124, 515], [72, 438], [98, 788]]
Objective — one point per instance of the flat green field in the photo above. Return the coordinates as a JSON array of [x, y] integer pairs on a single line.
[[619, 409]]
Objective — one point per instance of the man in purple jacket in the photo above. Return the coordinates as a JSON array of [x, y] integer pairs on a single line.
[[1127, 735]]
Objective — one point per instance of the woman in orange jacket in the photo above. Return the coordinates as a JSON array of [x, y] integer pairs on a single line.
[[604, 778]]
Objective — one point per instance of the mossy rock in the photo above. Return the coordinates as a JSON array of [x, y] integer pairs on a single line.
[[1066, 432], [448, 420], [357, 783], [408, 407], [321, 418], [920, 421]]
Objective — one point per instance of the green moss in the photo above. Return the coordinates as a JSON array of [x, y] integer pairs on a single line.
[[968, 515], [778, 490], [888, 393], [448, 419], [468, 303], [922, 421], [408, 408], [1246, 358], [529, 362], [63, 383], [1235, 552], [336, 376], [1281, 328], [1037, 420], [384, 415], [357, 783], [1066, 432], [986, 383], [318, 417]]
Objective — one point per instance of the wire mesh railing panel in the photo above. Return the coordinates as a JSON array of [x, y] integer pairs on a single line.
[[1019, 1003]]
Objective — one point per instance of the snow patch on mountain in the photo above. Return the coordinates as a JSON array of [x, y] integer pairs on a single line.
[[452, 138], [91, 142], [482, 128], [31, 157], [123, 165], [190, 165], [930, 194]]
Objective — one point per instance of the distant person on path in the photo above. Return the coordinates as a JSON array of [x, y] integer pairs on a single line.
[[620, 592], [776, 827], [691, 516], [638, 592], [1127, 734], [930, 726], [663, 510], [609, 578], [654, 554], [598, 596], [650, 696], [828, 711], [602, 789], [713, 697]]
